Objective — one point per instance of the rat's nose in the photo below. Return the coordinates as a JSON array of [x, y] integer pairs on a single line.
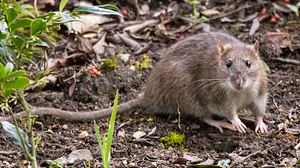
[[238, 81]]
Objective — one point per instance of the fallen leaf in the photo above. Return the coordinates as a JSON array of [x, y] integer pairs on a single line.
[[254, 27], [138, 134], [227, 20], [81, 154], [99, 47], [129, 41], [72, 89], [137, 27], [281, 8], [191, 158], [293, 8], [249, 17], [89, 22], [294, 131], [210, 12], [83, 135], [121, 133], [208, 162], [236, 158], [152, 131], [279, 37]]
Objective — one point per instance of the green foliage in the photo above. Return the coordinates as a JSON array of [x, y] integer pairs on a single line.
[[298, 162], [105, 141], [173, 140], [11, 80], [144, 62], [110, 64], [194, 4], [22, 34]]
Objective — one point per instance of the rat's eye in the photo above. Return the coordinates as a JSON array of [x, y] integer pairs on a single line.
[[228, 63], [248, 63]]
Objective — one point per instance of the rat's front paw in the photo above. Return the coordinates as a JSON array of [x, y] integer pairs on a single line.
[[260, 126], [238, 125]]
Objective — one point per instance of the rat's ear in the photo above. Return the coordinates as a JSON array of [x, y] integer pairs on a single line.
[[224, 49], [254, 49], [256, 45]]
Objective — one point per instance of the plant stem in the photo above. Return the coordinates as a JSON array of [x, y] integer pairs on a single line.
[[20, 135], [30, 129]]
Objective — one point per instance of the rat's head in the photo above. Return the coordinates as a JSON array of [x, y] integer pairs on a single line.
[[239, 64]]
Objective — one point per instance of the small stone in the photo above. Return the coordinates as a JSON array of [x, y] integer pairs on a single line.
[[132, 68], [83, 135], [138, 134], [65, 127], [121, 133], [124, 57]]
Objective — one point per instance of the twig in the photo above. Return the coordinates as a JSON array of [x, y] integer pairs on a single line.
[[178, 112], [7, 152], [234, 163], [239, 9], [287, 60], [297, 146], [36, 8]]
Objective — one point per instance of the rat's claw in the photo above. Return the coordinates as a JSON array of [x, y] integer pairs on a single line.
[[238, 125], [261, 127]]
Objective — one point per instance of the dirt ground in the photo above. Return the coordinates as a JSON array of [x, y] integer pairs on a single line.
[[60, 137]]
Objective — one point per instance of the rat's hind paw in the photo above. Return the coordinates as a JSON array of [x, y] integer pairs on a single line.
[[218, 124]]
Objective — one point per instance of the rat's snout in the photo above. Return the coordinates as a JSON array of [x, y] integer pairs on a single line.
[[237, 81]]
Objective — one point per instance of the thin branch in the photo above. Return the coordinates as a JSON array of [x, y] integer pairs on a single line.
[[239, 9], [287, 61]]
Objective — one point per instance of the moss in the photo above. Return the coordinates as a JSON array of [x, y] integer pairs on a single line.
[[173, 140], [110, 64], [144, 62]]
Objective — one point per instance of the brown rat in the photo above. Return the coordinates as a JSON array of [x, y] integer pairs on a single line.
[[204, 75]]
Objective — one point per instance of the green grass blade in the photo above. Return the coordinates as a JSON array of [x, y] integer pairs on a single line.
[[111, 127], [62, 5]]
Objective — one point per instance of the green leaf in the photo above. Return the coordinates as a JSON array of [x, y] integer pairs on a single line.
[[19, 42], [11, 132], [67, 21], [298, 161], [2, 35], [62, 4], [41, 43], [2, 72], [37, 26], [11, 15], [15, 74], [8, 92], [96, 10], [25, 9], [24, 22], [99, 139], [111, 127], [293, 8], [109, 6], [18, 83], [9, 67]]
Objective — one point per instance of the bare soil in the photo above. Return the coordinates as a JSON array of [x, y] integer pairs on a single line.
[[60, 137]]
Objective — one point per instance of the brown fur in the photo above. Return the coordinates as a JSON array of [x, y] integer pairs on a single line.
[[192, 78]]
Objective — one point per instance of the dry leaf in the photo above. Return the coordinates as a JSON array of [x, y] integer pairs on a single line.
[[138, 134], [210, 12], [140, 26], [99, 47], [254, 27], [89, 22]]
